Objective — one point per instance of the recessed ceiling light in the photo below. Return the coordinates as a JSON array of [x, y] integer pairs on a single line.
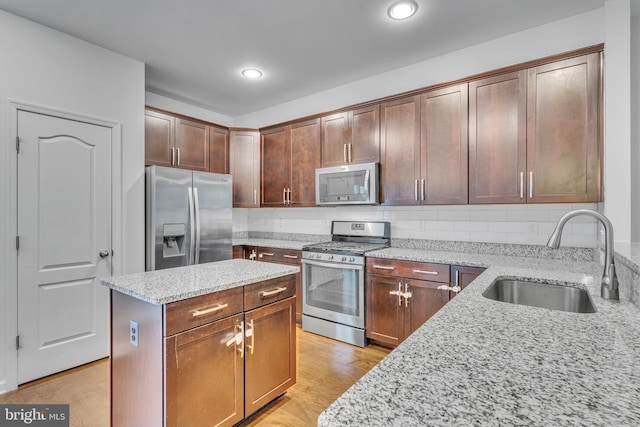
[[252, 73], [402, 9]]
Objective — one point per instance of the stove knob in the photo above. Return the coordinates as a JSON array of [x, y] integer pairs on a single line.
[[351, 259], [343, 259], [330, 257]]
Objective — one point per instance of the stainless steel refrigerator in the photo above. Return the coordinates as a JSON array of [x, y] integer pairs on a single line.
[[188, 217]]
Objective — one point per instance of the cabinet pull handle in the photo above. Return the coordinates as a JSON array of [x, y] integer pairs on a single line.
[[384, 267], [178, 150], [238, 339], [173, 156], [263, 254], [218, 307], [350, 149], [521, 185], [415, 193], [432, 273], [399, 293], [406, 295], [291, 256], [284, 196], [454, 289], [255, 197], [423, 187], [251, 333], [457, 282], [276, 291], [344, 152], [289, 196], [530, 184]]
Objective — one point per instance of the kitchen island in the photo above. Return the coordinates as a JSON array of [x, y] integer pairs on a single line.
[[189, 345], [488, 363]]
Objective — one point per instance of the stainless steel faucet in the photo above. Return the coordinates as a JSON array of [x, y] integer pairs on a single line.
[[609, 282]]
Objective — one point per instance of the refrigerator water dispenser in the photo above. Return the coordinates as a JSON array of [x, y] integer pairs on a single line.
[[173, 239]]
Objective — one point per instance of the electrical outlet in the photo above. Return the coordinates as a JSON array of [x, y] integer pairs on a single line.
[[133, 333]]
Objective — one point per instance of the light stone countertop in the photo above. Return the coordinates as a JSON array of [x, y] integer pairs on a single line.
[[175, 284], [271, 243], [487, 363]]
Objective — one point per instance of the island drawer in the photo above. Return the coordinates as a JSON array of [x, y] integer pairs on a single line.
[[269, 291], [410, 269], [283, 256], [197, 311]]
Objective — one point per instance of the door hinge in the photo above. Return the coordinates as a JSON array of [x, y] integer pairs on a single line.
[[17, 243], [18, 144], [17, 342]]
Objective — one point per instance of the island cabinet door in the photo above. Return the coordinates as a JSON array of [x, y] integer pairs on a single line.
[[384, 310], [270, 353], [205, 376]]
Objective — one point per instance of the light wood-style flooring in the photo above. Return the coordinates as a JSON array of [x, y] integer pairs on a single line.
[[326, 369]]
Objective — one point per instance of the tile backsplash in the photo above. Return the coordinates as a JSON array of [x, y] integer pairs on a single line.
[[512, 224]]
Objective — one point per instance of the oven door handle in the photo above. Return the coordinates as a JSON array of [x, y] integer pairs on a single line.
[[332, 264]]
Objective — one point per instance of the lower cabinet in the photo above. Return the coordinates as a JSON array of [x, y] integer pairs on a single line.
[[402, 295], [211, 360]]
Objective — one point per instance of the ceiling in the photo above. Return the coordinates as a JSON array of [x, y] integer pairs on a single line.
[[194, 50]]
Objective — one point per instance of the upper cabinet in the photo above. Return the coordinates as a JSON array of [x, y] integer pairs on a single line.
[[563, 104], [290, 156], [498, 138], [424, 148], [351, 137], [534, 134], [218, 149], [244, 165], [178, 142]]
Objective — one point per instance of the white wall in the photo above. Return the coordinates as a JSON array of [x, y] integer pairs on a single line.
[[50, 69], [635, 128], [168, 104]]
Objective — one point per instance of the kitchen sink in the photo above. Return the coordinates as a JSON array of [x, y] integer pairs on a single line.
[[545, 295]]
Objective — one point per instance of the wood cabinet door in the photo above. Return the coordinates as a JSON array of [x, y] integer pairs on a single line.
[[158, 138], [335, 137], [497, 139], [270, 353], [426, 299], [400, 151], [205, 376], [384, 311], [462, 276], [365, 135], [305, 158], [445, 146], [276, 167], [192, 145], [563, 102], [218, 150], [244, 165]]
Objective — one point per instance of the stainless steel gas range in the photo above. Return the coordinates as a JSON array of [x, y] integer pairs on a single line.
[[333, 280]]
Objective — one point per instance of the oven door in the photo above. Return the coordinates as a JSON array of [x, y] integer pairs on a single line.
[[334, 292]]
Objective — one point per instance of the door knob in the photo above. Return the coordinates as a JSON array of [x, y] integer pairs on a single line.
[[103, 253]]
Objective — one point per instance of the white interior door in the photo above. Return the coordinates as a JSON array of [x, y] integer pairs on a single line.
[[64, 223]]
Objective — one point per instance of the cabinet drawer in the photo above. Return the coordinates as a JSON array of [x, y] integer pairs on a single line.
[[196, 311], [283, 256], [409, 269], [269, 291]]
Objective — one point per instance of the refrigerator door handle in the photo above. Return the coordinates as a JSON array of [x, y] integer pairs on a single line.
[[192, 230], [196, 210]]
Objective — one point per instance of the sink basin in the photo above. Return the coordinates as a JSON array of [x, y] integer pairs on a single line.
[[545, 295]]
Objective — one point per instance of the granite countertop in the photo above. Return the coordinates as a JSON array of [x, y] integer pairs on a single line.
[[488, 363], [271, 243], [175, 284]]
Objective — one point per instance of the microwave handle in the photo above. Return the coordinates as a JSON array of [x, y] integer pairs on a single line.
[[366, 182]]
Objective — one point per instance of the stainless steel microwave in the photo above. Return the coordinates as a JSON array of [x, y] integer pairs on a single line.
[[348, 185]]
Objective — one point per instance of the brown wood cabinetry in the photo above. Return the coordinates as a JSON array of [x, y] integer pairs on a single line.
[[424, 148], [218, 149], [351, 137], [497, 138], [244, 166], [401, 296], [534, 134], [290, 156], [176, 142], [208, 360], [563, 158]]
